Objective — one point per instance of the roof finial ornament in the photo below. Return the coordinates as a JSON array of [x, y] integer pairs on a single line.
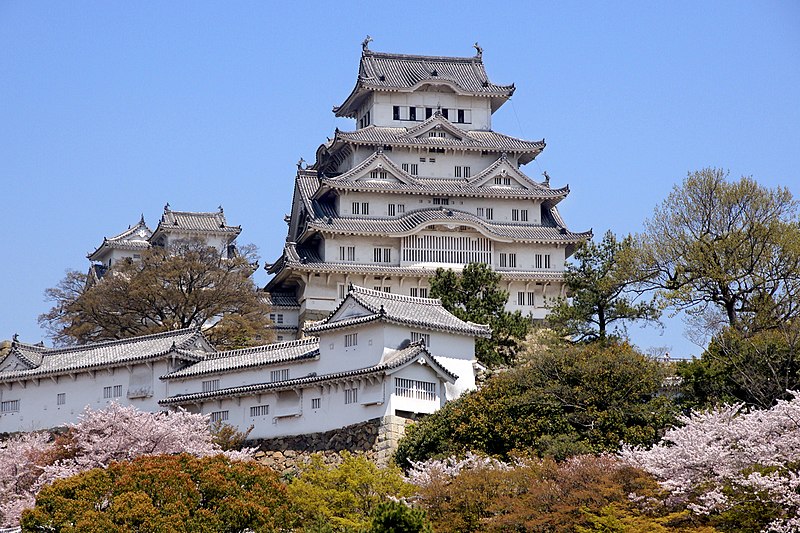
[[300, 163], [382, 311], [15, 339], [166, 207], [141, 219], [365, 44], [220, 208], [546, 178], [478, 50]]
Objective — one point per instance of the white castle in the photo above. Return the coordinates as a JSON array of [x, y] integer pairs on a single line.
[[424, 182]]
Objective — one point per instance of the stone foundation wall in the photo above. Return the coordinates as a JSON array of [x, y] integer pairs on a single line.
[[376, 439]]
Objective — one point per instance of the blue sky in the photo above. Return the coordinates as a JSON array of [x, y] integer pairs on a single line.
[[108, 110]]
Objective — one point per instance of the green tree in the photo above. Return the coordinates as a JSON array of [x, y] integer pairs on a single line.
[[562, 400], [396, 517], [599, 282], [188, 285], [164, 493], [474, 295], [756, 369], [344, 496], [729, 247]]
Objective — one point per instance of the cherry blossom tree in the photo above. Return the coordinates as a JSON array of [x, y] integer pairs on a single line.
[[31, 461], [729, 463]]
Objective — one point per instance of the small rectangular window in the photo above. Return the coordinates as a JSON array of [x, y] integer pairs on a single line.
[[467, 172], [364, 208], [441, 201], [422, 160], [210, 385], [424, 337], [498, 181], [401, 208], [280, 318], [350, 395], [218, 416], [515, 215], [356, 207], [396, 112], [117, 391], [446, 113], [506, 181], [259, 410], [489, 213], [341, 290], [9, 406], [350, 339], [538, 260], [412, 388], [547, 261], [428, 112], [423, 292], [392, 211], [432, 160], [405, 167], [351, 253], [520, 298], [530, 299], [315, 403], [523, 215], [412, 113], [108, 393], [341, 253], [413, 291], [457, 171], [61, 398], [279, 375], [479, 211], [460, 116], [414, 169]]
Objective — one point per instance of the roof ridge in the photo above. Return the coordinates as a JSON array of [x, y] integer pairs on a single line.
[[397, 297], [264, 347], [128, 340], [390, 55]]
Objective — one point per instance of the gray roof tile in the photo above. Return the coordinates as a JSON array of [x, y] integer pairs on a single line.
[[398, 359], [427, 313], [106, 354], [270, 354]]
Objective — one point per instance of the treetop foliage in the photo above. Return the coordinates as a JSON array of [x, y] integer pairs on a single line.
[[188, 285], [30, 461], [562, 400], [473, 295], [731, 248], [164, 493], [738, 467], [599, 281], [344, 496]]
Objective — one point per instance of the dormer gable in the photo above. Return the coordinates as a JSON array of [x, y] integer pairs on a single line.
[[376, 168], [435, 128], [503, 174]]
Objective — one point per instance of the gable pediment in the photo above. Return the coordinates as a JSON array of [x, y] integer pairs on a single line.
[[349, 309], [503, 175]]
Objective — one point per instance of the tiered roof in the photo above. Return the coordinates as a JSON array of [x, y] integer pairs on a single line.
[[459, 139], [385, 72], [392, 363], [301, 259], [134, 238], [428, 313], [270, 354], [187, 344], [198, 223]]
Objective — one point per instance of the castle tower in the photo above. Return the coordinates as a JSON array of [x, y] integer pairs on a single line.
[[423, 182]]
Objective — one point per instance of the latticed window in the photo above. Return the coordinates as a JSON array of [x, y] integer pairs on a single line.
[[424, 337], [61, 398], [351, 339], [279, 375], [315, 403], [9, 406], [459, 250], [218, 416], [412, 388], [210, 385], [350, 395], [508, 260], [259, 410]]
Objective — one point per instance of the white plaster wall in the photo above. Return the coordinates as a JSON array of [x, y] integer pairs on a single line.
[[442, 343], [335, 357], [419, 372], [383, 103], [38, 409]]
